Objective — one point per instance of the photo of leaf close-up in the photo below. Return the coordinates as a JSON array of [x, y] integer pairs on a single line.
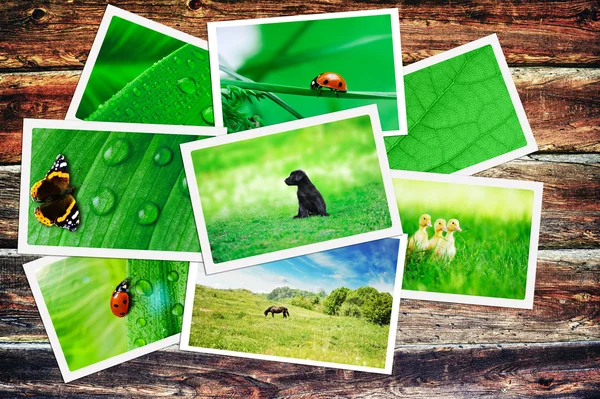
[[77, 295], [267, 69], [161, 79], [130, 189]]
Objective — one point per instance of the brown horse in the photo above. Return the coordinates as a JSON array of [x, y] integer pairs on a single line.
[[277, 309]]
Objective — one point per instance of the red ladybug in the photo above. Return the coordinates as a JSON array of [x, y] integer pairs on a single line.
[[331, 80], [119, 301]]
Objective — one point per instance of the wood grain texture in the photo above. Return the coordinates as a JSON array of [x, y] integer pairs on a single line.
[[532, 33], [566, 308], [546, 370], [562, 105], [570, 214]]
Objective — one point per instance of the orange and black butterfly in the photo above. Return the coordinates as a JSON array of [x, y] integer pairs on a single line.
[[58, 204]]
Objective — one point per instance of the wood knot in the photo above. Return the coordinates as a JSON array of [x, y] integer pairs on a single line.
[[545, 382], [38, 14], [194, 4]]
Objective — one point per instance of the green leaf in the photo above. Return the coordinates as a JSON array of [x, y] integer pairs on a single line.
[[148, 178], [459, 114], [174, 91], [157, 294]]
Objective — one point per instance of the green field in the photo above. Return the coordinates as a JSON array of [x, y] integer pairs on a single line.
[[233, 320], [248, 209], [492, 250]]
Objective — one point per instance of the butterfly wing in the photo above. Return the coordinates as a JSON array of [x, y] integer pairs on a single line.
[[63, 213], [55, 182]]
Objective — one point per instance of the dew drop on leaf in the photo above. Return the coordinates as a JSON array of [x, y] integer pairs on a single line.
[[139, 343], [141, 322], [177, 60], [147, 213], [177, 309], [208, 116], [187, 85], [172, 276], [116, 152], [144, 287], [137, 91], [191, 63], [183, 186], [162, 156], [203, 76], [129, 111], [199, 55], [104, 201], [145, 119], [146, 86]]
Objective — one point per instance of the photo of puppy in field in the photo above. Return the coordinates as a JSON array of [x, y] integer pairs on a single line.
[[241, 190]]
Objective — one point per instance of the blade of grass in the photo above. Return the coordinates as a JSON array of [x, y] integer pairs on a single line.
[[301, 91]]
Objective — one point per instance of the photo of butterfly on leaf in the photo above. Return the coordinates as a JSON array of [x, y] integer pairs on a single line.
[[58, 206]]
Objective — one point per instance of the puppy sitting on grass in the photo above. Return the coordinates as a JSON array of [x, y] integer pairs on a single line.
[[310, 200]]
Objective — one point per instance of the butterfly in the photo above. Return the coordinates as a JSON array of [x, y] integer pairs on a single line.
[[58, 204]]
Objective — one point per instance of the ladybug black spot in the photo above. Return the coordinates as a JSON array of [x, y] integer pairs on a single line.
[[340, 84], [325, 82], [115, 305], [125, 301], [122, 314]]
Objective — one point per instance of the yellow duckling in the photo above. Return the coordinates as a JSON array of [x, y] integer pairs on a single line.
[[445, 249], [439, 227], [420, 239]]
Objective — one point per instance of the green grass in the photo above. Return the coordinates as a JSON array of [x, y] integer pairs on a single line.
[[459, 114], [160, 79], [293, 53], [492, 250], [77, 294], [137, 180], [248, 208], [233, 320]]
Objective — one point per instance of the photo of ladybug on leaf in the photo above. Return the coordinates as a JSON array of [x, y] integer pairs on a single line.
[[120, 299], [330, 80]]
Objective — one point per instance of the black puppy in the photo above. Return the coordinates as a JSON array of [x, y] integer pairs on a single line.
[[310, 200]]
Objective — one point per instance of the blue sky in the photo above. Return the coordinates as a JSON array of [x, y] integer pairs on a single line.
[[368, 264]]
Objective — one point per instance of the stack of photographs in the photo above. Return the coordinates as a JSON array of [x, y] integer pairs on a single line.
[[272, 193]]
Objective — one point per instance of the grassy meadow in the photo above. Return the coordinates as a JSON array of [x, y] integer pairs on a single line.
[[233, 320], [248, 209], [492, 249]]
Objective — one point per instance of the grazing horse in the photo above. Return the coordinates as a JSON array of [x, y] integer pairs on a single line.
[[277, 309]]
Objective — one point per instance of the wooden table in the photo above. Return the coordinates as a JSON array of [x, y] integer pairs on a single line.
[[553, 48]]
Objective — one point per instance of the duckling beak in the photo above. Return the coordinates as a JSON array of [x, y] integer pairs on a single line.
[[445, 229], [458, 228], [428, 224]]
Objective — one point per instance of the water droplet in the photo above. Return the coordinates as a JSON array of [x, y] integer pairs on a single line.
[[147, 213], [145, 109], [101, 106], [137, 91], [177, 309], [104, 201], [199, 55], [172, 276], [208, 116], [146, 86], [126, 95], [183, 186], [116, 152], [117, 112], [139, 343], [143, 287], [163, 156], [187, 85], [145, 119], [203, 76], [141, 322], [191, 63], [129, 111], [177, 60]]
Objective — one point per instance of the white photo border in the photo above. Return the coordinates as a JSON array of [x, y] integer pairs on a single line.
[[110, 12], [68, 375], [491, 40], [389, 358], [536, 212], [212, 267], [23, 247], [215, 73]]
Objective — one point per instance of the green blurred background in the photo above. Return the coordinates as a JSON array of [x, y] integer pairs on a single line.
[[294, 53], [493, 248], [143, 76], [248, 208], [77, 294]]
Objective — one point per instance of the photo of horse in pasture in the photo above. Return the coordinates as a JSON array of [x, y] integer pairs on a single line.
[[467, 239], [337, 308]]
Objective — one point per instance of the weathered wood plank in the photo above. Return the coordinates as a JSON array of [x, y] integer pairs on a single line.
[[55, 34], [562, 105], [570, 214], [545, 370], [566, 308]]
